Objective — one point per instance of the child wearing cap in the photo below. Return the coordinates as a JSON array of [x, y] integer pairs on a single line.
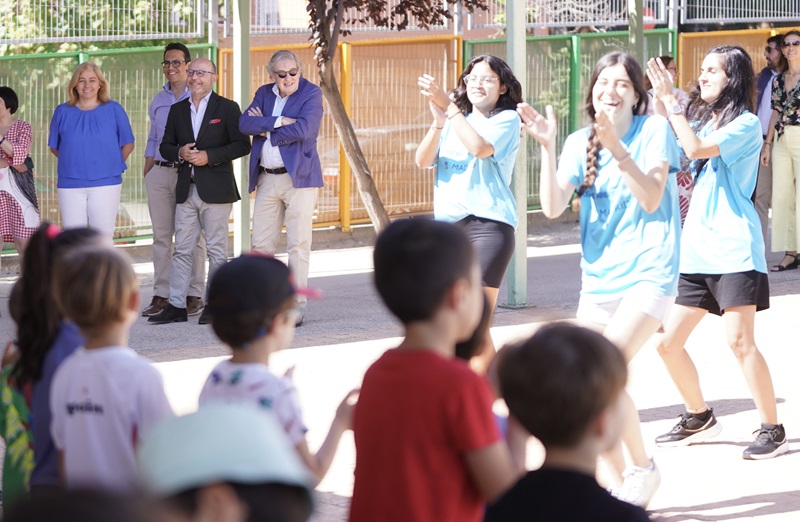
[[224, 463], [251, 303], [565, 386], [104, 395], [427, 445]]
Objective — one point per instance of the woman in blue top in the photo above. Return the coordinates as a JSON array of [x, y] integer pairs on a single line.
[[473, 143], [723, 268], [623, 168], [92, 138]]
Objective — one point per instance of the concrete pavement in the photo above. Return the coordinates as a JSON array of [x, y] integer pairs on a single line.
[[349, 329]]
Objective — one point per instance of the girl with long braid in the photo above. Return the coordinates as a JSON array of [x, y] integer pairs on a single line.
[[623, 169]]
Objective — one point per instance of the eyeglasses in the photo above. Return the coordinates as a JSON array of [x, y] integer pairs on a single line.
[[282, 74], [198, 72], [483, 80], [769, 49], [174, 63], [793, 43]]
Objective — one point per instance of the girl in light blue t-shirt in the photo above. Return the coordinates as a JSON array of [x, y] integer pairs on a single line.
[[623, 169], [723, 269], [473, 144]]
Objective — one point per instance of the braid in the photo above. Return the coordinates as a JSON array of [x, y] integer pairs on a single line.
[[592, 150]]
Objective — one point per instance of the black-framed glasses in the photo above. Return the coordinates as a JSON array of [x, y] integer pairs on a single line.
[[174, 63], [198, 72], [769, 49], [291, 72], [793, 43]]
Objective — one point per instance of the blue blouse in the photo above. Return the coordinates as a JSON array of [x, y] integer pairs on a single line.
[[89, 144]]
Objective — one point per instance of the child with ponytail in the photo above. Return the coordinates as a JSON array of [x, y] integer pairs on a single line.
[[623, 169], [44, 339]]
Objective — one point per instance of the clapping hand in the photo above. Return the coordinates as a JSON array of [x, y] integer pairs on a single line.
[[605, 130], [543, 130], [430, 87], [660, 78]]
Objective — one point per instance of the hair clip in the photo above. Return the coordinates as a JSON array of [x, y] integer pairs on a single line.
[[52, 231]]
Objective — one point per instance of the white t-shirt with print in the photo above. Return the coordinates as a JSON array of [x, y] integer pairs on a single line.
[[102, 400], [255, 385]]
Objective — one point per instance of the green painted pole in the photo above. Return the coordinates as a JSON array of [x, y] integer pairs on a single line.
[[575, 111], [241, 95], [517, 58], [636, 30]]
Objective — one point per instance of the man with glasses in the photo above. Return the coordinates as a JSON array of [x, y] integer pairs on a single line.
[[284, 120], [160, 179], [202, 135], [763, 193]]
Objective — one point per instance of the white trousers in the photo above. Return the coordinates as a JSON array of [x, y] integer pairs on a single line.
[[786, 190], [277, 200], [95, 207]]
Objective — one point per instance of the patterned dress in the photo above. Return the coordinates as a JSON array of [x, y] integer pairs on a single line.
[[19, 209]]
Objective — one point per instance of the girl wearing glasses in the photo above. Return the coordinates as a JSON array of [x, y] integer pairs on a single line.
[[783, 138], [92, 138], [622, 167], [473, 144], [723, 268]]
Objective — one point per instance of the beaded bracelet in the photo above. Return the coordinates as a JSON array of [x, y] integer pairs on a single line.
[[626, 157]]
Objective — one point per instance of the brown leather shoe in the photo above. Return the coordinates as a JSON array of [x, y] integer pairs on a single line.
[[194, 305], [156, 305]]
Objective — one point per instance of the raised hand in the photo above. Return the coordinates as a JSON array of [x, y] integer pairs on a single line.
[[430, 87], [660, 78], [606, 132], [544, 130]]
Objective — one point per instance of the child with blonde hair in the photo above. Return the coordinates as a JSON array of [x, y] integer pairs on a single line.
[[104, 395]]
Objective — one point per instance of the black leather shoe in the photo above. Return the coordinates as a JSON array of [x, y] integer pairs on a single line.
[[205, 318], [170, 314]]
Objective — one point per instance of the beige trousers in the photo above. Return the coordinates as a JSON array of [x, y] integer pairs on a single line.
[[786, 191]]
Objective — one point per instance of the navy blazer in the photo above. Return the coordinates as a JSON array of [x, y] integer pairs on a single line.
[[219, 137], [297, 142]]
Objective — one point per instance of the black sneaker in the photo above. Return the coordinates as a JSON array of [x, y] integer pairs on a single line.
[[770, 442], [690, 429], [170, 314]]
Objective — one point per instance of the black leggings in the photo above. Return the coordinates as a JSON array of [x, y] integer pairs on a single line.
[[493, 244]]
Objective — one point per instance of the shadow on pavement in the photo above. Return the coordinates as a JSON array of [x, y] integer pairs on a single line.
[[721, 408], [736, 509]]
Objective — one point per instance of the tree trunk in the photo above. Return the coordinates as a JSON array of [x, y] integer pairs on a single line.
[[347, 136]]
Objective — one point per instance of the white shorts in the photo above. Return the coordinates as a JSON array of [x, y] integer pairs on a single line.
[[657, 306]]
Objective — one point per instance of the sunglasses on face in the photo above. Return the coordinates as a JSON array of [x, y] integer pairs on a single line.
[[769, 49], [282, 74], [174, 63], [793, 43]]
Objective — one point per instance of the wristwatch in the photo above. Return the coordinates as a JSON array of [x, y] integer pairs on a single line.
[[674, 110]]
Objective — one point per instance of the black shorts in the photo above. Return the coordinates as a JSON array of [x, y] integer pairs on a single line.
[[493, 244], [718, 292]]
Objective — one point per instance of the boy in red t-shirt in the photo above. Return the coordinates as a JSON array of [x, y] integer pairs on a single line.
[[427, 446]]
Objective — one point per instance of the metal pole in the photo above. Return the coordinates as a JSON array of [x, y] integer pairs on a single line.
[[241, 95], [636, 30], [516, 53]]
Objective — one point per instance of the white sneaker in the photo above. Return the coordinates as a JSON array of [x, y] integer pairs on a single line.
[[640, 485]]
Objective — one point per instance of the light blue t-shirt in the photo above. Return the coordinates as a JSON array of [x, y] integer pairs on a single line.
[[89, 144], [466, 185], [722, 232], [624, 247]]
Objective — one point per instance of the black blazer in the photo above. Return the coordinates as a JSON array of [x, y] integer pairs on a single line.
[[219, 136]]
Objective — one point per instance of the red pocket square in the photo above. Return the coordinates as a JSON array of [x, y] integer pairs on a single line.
[[215, 120]]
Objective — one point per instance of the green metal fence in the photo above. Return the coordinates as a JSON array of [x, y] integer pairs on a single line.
[[559, 69], [134, 76]]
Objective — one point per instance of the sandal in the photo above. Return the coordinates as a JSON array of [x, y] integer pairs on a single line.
[[791, 266]]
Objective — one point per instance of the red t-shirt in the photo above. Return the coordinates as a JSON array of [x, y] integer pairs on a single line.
[[418, 413]]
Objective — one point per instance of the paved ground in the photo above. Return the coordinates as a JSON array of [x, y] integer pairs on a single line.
[[349, 329]]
